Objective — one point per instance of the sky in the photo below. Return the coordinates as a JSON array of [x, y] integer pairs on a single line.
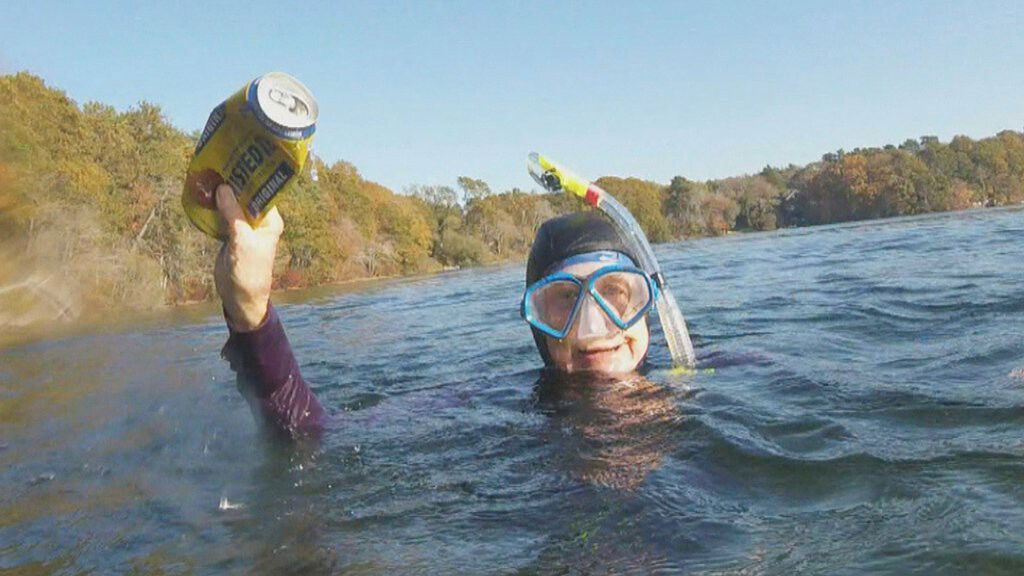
[[425, 92]]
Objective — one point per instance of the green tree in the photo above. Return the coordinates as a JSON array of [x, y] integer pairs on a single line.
[[644, 199], [473, 189]]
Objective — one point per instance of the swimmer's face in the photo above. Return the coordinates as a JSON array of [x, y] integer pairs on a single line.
[[615, 351]]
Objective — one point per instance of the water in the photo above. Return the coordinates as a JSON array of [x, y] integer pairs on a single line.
[[870, 422]]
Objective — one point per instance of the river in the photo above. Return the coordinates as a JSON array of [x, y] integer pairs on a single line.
[[866, 416]]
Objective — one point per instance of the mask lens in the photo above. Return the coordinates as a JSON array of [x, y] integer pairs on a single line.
[[552, 304], [625, 294]]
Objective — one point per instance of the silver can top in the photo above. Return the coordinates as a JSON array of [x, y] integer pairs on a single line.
[[286, 102]]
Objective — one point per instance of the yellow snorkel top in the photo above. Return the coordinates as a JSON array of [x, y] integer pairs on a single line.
[[557, 178]]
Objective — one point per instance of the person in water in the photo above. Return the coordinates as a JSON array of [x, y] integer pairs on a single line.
[[585, 301], [587, 304]]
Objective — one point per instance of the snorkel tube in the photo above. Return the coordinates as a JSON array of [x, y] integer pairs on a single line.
[[555, 178]]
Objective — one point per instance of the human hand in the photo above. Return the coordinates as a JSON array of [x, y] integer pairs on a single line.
[[245, 265]]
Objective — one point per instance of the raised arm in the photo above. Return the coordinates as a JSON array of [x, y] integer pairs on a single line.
[[258, 349]]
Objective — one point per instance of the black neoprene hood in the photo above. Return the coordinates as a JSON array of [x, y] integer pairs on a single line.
[[569, 235]]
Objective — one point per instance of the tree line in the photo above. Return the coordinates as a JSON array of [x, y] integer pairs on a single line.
[[90, 212]]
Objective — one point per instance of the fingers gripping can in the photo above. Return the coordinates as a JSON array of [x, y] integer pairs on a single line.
[[257, 142]]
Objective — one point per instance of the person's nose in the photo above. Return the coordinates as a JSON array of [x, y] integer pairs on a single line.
[[593, 322]]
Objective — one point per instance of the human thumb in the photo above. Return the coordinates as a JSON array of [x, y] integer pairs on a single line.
[[227, 206]]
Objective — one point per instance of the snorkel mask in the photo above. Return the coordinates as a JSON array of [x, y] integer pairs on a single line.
[[613, 297]]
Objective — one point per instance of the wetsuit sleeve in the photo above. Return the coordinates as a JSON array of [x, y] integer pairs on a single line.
[[269, 378]]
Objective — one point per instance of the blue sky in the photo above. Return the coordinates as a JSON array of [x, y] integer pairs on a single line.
[[425, 92]]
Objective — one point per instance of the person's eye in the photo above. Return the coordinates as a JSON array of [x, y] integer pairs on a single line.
[[616, 289]]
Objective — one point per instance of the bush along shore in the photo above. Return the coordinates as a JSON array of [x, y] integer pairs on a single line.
[[90, 217]]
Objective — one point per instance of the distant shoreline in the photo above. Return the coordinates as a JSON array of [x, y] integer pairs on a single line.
[[200, 310]]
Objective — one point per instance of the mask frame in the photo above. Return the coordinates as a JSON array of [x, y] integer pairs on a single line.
[[587, 286]]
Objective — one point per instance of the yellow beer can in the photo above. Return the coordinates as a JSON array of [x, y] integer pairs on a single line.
[[257, 142]]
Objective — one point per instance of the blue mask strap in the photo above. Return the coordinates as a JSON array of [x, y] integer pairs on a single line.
[[606, 257]]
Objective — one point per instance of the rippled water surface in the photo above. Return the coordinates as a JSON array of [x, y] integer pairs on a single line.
[[866, 416]]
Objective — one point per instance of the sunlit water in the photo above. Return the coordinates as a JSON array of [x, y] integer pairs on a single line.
[[872, 421]]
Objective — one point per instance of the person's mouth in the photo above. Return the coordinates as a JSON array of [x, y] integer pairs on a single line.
[[599, 355]]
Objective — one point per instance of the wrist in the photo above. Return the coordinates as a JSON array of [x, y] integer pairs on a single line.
[[246, 318]]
